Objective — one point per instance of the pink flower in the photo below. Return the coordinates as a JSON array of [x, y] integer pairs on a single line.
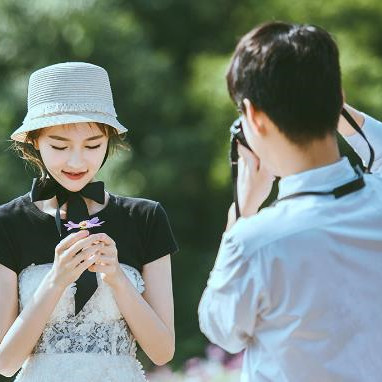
[[235, 362], [85, 224], [215, 353]]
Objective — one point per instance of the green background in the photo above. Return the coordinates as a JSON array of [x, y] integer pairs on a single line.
[[167, 60]]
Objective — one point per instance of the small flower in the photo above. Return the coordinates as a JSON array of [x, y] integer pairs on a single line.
[[94, 222], [215, 353]]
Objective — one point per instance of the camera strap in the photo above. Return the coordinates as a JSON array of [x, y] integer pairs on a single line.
[[355, 126], [338, 192], [234, 157]]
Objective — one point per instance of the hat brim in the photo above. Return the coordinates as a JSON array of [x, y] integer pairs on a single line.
[[64, 118]]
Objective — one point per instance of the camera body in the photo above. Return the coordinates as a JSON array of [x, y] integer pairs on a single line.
[[236, 131]]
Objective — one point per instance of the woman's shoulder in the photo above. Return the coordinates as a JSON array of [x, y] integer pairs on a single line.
[[14, 208], [135, 205]]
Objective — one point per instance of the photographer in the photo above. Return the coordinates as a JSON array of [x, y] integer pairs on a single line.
[[297, 285]]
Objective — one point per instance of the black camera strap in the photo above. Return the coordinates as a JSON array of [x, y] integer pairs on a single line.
[[338, 192], [355, 126], [234, 157]]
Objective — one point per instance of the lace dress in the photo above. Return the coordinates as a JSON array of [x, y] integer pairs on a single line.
[[96, 345]]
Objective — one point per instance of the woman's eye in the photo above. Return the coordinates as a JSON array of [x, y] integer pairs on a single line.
[[88, 147], [58, 148]]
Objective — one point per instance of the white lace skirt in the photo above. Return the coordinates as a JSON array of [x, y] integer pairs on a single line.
[[80, 367]]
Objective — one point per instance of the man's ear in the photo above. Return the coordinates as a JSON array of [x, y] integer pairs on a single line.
[[254, 117]]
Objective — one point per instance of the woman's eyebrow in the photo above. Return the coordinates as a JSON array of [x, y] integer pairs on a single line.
[[66, 139]]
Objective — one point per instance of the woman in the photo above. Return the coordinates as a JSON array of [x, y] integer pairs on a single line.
[[89, 270]]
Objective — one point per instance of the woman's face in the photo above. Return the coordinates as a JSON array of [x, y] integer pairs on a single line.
[[72, 153]]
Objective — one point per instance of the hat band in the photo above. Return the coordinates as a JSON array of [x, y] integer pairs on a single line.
[[45, 109]]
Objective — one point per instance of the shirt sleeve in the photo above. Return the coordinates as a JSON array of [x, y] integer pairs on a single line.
[[160, 238], [7, 252], [230, 303], [373, 132]]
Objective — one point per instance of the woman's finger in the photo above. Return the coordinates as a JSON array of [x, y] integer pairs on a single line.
[[102, 237], [106, 259], [86, 264], [84, 255], [99, 268], [70, 240], [77, 247]]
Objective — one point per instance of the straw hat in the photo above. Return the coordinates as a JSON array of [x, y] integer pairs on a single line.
[[67, 93]]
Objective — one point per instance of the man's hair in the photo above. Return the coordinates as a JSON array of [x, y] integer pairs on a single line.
[[292, 73]]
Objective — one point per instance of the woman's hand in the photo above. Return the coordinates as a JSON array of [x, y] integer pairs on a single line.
[[73, 255], [107, 264]]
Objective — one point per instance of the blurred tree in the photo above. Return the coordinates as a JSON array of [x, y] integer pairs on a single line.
[[167, 60]]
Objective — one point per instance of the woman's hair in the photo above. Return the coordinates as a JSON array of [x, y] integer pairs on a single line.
[[31, 155]]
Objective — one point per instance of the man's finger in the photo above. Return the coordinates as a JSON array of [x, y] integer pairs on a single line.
[[248, 155]]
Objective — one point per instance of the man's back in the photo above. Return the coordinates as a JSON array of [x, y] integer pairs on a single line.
[[313, 267], [320, 281]]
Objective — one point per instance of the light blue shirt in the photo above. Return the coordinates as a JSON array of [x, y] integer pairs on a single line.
[[299, 285]]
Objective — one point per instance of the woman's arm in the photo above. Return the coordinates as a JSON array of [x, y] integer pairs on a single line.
[[21, 338], [150, 316], [9, 303], [23, 334]]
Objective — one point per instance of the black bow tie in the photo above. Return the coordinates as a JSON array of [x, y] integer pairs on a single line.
[[76, 211]]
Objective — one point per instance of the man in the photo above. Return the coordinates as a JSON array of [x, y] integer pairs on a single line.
[[298, 285]]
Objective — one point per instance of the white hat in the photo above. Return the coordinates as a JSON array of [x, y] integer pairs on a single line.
[[68, 92]]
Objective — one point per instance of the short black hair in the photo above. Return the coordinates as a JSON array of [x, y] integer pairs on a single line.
[[292, 73]]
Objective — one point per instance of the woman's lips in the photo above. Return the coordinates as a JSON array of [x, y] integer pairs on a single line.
[[74, 176]]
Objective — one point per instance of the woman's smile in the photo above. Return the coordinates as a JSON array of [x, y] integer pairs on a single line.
[[74, 176]]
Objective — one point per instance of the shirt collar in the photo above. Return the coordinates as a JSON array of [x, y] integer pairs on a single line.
[[323, 178]]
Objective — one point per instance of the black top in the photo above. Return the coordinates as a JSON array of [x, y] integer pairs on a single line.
[[139, 227]]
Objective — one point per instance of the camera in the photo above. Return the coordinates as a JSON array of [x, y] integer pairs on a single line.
[[236, 131]]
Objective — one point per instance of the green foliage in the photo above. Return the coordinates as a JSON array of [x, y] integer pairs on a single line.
[[167, 60]]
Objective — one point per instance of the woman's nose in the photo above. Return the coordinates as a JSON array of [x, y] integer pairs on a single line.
[[76, 160]]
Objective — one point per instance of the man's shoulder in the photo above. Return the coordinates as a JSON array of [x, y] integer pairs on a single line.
[[272, 224], [308, 217]]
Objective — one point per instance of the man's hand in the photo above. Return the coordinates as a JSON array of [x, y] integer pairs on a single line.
[[343, 126], [254, 184]]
